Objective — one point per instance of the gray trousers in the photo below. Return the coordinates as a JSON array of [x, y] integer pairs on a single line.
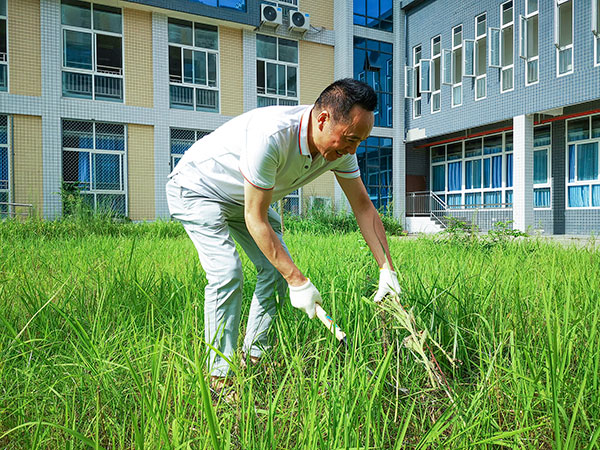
[[211, 223]]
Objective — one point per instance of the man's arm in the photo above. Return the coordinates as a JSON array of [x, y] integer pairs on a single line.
[[256, 208], [368, 220]]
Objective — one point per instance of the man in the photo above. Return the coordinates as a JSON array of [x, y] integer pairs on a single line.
[[224, 185]]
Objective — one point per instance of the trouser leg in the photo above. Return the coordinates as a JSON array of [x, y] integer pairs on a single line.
[[206, 226], [270, 286]]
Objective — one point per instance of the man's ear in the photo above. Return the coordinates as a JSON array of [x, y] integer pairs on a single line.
[[322, 118]]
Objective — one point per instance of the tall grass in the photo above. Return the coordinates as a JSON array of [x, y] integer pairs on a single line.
[[101, 346]]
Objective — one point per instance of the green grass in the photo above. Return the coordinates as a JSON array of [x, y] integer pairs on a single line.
[[101, 346]]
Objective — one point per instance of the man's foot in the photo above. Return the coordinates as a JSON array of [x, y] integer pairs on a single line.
[[222, 387], [254, 361]]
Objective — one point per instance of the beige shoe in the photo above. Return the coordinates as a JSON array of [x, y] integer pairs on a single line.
[[222, 387]]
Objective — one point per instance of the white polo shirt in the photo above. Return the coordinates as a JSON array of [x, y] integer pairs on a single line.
[[266, 146]]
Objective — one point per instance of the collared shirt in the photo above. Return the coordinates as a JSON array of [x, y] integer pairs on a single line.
[[267, 146]]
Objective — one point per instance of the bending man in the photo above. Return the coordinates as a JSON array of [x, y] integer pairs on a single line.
[[222, 189]]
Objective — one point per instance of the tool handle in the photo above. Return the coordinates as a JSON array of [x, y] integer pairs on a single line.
[[330, 324]]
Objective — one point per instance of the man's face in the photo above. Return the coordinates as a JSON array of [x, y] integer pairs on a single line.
[[336, 139]]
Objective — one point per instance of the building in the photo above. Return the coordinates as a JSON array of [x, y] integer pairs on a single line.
[[99, 99], [489, 111]]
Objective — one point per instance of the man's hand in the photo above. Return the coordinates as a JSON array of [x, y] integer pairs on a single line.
[[305, 297], [388, 284]]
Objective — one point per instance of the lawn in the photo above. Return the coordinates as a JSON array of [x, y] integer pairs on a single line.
[[101, 346]]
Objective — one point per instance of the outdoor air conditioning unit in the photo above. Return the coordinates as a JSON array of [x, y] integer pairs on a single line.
[[271, 16], [299, 21]]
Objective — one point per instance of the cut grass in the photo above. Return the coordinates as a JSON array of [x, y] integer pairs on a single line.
[[101, 346]]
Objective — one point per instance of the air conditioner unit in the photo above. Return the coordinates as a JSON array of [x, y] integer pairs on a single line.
[[271, 16], [299, 21]]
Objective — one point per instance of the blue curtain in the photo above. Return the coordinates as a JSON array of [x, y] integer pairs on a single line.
[[572, 162], [110, 142], [473, 174], [541, 198], [509, 198], [3, 135], [439, 178], [579, 196], [509, 170], [454, 200], [106, 172], [492, 198], [472, 199], [540, 166], [84, 170], [486, 173], [497, 171], [86, 142], [454, 176], [587, 161], [596, 195]]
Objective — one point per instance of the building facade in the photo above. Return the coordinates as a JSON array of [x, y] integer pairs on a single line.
[[99, 99], [489, 111]]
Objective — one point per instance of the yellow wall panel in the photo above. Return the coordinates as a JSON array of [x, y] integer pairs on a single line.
[[321, 12], [27, 169], [140, 167], [137, 39], [232, 70], [324, 186], [316, 70], [24, 47]]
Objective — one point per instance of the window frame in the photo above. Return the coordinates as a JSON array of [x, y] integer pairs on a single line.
[[479, 37], [456, 48], [4, 58], [175, 157], [549, 182], [577, 182], [510, 67], [524, 31], [196, 87], [278, 97], [123, 162], [94, 72], [9, 169], [380, 22], [418, 98], [436, 56], [570, 46], [596, 30]]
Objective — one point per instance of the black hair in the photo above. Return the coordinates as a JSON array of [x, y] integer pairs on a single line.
[[342, 95]]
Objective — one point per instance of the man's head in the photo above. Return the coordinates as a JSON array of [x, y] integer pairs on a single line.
[[342, 117]]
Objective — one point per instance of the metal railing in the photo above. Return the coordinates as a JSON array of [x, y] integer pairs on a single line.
[[9, 209], [428, 204]]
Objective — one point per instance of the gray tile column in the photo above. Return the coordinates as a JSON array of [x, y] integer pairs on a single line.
[[399, 150], [523, 172]]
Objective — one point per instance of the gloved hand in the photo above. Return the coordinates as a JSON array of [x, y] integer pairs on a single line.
[[305, 297], [388, 284]]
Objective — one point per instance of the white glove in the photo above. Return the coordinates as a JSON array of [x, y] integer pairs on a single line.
[[388, 284], [305, 297]]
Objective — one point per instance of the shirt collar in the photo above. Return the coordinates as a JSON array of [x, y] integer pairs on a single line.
[[303, 135]]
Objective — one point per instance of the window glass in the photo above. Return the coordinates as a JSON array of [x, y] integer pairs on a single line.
[[108, 54], [532, 6], [507, 46], [492, 144], [587, 161], [439, 178], [180, 32], [78, 49], [288, 50], [595, 125], [2, 7], [481, 25], [291, 82], [565, 35], [473, 148], [507, 13], [206, 36], [266, 47], [541, 136], [457, 36], [438, 154], [436, 48], [199, 67], [532, 37], [454, 151], [578, 129], [540, 166], [76, 13], [508, 142], [3, 46], [107, 19]]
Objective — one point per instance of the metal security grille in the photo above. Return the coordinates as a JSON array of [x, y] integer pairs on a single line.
[[93, 167], [292, 202], [4, 167], [181, 140]]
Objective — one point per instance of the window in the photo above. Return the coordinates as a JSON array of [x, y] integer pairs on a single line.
[[193, 66], [4, 167], [457, 66], [583, 178], [92, 65], [507, 46], [563, 36], [181, 140], [373, 65], [374, 14], [375, 163], [487, 165], [436, 74], [596, 30], [94, 166], [541, 167], [276, 71], [240, 5], [417, 82], [480, 57], [3, 48], [528, 42]]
